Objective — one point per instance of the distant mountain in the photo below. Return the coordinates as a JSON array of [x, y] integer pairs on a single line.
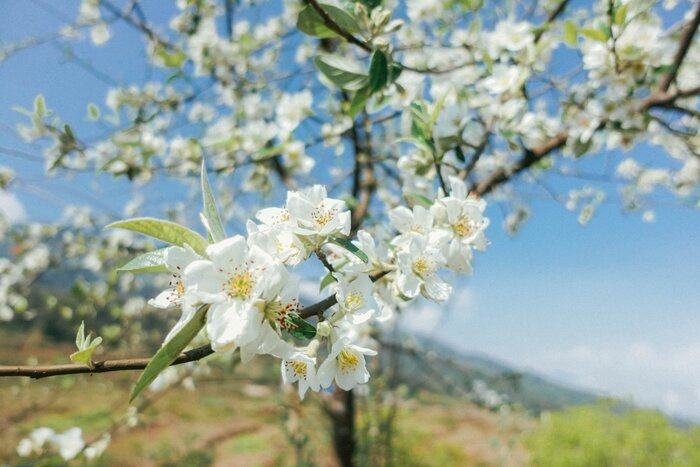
[[425, 363]]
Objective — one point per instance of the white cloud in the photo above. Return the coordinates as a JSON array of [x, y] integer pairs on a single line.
[[666, 378], [11, 209]]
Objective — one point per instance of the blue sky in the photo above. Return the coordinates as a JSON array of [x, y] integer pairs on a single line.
[[613, 306]]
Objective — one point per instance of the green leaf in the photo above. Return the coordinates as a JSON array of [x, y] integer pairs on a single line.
[[581, 148], [341, 71], [378, 71], [268, 153], [170, 351], [395, 71], [80, 335], [85, 356], [545, 163], [301, 329], [173, 59], [211, 213], [436, 112], [153, 261], [621, 13], [663, 69], [570, 33], [460, 154], [595, 34], [310, 21], [93, 111], [327, 280], [85, 347], [68, 132], [371, 4], [358, 102], [417, 198], [163, 230], [39, 106], [351, 247]]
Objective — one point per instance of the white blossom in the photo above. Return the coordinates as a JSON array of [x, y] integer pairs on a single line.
[[346, 365]]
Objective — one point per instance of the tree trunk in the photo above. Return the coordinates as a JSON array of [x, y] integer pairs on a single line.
[[341, 410]]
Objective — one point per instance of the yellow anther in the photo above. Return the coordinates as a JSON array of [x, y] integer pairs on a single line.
[[354, 300], [464, 227], [347, 360], [240, 285]]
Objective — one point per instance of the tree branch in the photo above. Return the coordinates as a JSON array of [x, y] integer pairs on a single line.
[[333, 26], [364, 182], [106, 366], [530, 157], [138, 24], [550, 18], [686, 40]]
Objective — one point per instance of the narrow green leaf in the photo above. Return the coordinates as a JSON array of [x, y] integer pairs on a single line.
[[581, 148], [621, 13], [378, 71], [93, 111], [351, 247], [68, 132], [595, 34], [80, 335], [327, 280], [310, 21], [211, 212], [358, 102], [153, 261], [460, 154], [343, 72], [394, 72], [570, 33], [436, 112], [39, 106], [544, 164], [170, 351], [371, 4], [663, 69], [417, 198], [301, 329], [173, 59], [163, 230], [267, 153]]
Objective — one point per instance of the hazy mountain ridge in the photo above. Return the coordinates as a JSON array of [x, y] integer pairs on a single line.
[[426, 363]]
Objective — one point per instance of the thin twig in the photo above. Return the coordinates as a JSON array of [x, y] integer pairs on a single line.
[[686, 40], [106, 366]]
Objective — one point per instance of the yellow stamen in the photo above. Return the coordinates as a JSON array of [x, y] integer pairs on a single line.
[[299, 368], [240, 285], [354, 300], [347, 360], [464, 227], [421, 266], [323, 216]]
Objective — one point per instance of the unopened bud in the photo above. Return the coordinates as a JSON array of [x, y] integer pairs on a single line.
[[380, 18], [393, 26], [324, 329]]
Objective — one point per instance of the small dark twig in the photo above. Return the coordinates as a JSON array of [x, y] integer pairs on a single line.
[[105, 366]]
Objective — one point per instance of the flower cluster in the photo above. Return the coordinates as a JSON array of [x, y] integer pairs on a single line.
[[252, 295], [69, 444]]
